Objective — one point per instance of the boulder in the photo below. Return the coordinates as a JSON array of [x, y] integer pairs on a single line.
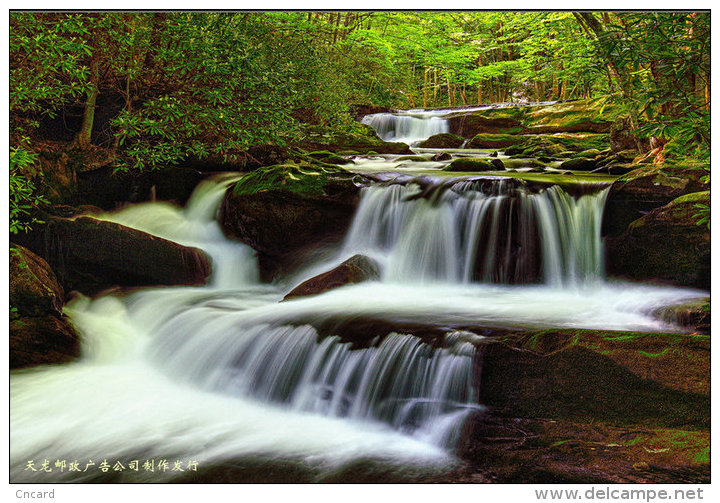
[[591, 375], [443, 140], [323, 138], [356, 269], [645, 188], [42, 340], [464, 164], [501, 141], [282, 211], [693, 315], [579, 164], [90, 255], [665, 245], [471, 124], [34, 289]]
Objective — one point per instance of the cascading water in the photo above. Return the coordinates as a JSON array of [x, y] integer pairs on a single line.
[[226, 373], [408, 127], [488, 230], [414, 125]]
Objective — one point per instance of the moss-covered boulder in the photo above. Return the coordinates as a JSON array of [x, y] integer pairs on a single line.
[[90, 255], [34, 289], [644, 189], [472, 124], [591, 116], [464, 164], [590, 375], [501, 141], [283, 211], [693, 315], [356, 269], [579, 164], [316, 138], [443, 140], [666, 245]]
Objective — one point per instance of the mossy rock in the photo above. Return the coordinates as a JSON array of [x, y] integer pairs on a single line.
[[464, 164], [579, 164], [487, 140], [34, 289], [329, 157], [594, 115], [666, 245], [617, 376], [645, 188], [443, 140], [285, 210], [590, 154], [304, 180]]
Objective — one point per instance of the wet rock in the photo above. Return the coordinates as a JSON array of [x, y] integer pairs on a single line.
[[356, 269], [282, 211], [645, 188], [34, 289], [665, 245], [693, 315], [443, 140], [579, 164], [42, 340], [463, 164], [90, 255], [441, 156]]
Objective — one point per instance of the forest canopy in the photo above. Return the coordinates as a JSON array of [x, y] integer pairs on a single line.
[[151, 90]]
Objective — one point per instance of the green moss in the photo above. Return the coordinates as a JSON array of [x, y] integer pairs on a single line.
[[470, 165], [693, 197], [489, 140], [304, 180]]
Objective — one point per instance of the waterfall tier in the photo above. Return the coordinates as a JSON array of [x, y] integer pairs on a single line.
[[480, 231]]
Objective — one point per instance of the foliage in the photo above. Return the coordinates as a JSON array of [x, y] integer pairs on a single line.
[[23, 195]]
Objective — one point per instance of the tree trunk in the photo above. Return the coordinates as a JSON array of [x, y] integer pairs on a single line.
[[85, 134], [425, 88]]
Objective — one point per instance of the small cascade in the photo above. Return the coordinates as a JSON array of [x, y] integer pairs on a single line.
[[195, 225], [491, 230], [408, 127], [401, 382]]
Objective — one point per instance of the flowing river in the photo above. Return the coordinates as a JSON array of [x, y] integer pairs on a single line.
[[227, 374]]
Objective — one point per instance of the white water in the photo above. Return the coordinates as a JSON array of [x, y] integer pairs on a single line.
[[405, 127], [415, 125], [225, 373]]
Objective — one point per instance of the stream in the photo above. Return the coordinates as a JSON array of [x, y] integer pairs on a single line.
[[226, 373]]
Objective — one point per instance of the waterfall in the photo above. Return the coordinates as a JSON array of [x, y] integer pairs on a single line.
[[488, 230], [229, 376], [408, 127], [401, 381], [196, 225]]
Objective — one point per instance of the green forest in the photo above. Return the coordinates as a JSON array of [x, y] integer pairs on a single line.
[[140, 91], [360, 247]]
